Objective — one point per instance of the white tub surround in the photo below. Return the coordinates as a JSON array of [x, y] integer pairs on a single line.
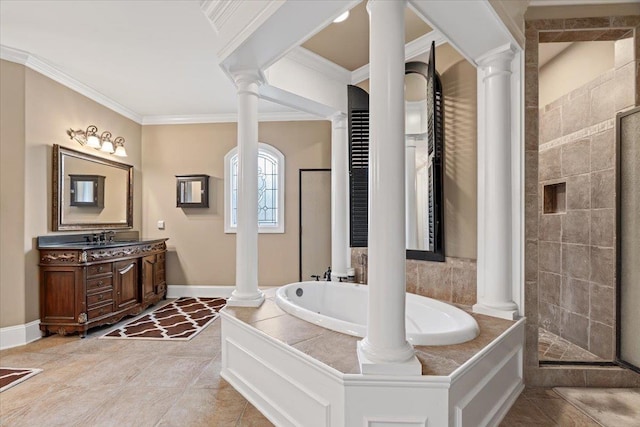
[[495, 251], [342, 307], [246, 293], [326, 390], [340, 258], [385, 349]]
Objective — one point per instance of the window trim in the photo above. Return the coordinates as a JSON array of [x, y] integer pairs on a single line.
[[273, 152]]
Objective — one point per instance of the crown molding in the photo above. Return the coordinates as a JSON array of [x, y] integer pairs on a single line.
[[412, 49], [48, 70], [218, 11], [292, 116], [312, 60]]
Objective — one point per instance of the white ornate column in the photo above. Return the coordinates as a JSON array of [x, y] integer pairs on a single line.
[[495, 251], [411, 227], [385, 350], [246, 293], [339, 197]]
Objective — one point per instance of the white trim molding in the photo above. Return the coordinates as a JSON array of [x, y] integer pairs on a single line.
[[43, 67], [178, 291], [292, 116], [14, 336], [320, 64]]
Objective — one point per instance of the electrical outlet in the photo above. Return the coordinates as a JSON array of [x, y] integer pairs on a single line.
[[160, 225]]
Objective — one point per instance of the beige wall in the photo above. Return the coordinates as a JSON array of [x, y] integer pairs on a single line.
[[49, 110], [200, 253], [12, 194], [574, 67]]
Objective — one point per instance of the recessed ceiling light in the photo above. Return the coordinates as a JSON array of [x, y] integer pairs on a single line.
[[341, 17]]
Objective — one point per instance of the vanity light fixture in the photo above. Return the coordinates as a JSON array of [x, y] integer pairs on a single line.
[[103, 142]]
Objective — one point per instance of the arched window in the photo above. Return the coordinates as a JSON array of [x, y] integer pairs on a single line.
[[270, 190]]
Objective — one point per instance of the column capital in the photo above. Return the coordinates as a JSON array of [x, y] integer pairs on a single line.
[[339, 121], [373, 3], [497, 60], [248, 81]]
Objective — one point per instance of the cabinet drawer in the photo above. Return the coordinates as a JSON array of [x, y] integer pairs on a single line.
[[100, 298], [94, 285], [94, 313], [98, 269]]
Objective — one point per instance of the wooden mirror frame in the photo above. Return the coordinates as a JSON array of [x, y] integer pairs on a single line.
[[204, 190], [57, 192]]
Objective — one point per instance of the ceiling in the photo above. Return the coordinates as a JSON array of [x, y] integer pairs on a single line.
[[157, 58], [330, 42]]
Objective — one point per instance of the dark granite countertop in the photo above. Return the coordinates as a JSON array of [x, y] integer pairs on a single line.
[[84, 241]]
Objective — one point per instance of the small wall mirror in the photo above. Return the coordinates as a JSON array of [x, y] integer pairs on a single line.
[[192, 191], [87, 190]]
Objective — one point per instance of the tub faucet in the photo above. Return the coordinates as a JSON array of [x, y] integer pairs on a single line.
[[327, 274]]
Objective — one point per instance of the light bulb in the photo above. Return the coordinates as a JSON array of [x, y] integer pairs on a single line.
[[120, 151], [93, 141], [107, 146], [342, 17]]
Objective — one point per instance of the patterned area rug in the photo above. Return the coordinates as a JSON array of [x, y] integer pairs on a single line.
[[181, 319], [12, 376]]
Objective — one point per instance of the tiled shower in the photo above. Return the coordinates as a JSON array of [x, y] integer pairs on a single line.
[[577, 213]]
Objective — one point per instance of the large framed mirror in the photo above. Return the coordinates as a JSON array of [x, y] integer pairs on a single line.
[[424, 160], [90, 192]]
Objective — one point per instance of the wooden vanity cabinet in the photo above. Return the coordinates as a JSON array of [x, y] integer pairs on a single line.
[[84, 287]]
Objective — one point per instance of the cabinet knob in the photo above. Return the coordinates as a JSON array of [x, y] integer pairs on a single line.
[[100, 268], [100, 283], [101, 297]]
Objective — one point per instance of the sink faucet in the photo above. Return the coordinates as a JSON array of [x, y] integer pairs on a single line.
[[327, 274]]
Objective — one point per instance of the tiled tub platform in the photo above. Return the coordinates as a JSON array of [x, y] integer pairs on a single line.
[[298, 373]]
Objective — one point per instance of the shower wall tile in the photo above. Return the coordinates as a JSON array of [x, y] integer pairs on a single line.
[[549, 287], [575, 328], [603, 150], [575, 295], [531, 303], [531, 255], [601, 340], [602, 304], [531, 123], [549, 317], [623, 89], [576, 157], [530, 172], [623, 52], [550, 124], [603, 189], [575, 261], [575, 114], [550, 256], [602, 266], [579, 192], [603, 227], [549, 166], [602, 102], [550, 228], [531, 216], [575, 227]]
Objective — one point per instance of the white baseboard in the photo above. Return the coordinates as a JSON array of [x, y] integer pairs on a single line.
[[14, 336], [177, 291]]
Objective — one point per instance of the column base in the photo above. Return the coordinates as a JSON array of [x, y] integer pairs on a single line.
[[411, 367], [243, 301], [507, 313]]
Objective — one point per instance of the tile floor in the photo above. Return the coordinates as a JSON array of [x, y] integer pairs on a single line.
[[553, 347], [94, 382]]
